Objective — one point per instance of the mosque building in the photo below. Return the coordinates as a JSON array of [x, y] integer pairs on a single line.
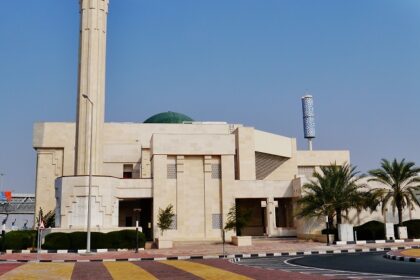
[[201, 168]]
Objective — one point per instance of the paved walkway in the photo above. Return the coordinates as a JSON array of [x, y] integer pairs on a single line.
[[204, 269], [207, 249]]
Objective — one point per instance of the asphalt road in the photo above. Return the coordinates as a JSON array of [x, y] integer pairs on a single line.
[[341, 266], [360, 262]]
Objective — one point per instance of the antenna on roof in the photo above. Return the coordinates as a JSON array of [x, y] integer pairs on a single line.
[[308, 119]]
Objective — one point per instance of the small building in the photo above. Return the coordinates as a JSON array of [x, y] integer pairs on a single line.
[[19, 212], [201, 168]]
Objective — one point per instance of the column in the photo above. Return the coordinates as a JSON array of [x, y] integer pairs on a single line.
[[92, 52]]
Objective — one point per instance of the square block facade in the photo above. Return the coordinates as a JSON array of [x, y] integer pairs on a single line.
[[202, 169]]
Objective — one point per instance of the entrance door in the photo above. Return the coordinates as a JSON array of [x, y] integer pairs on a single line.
[[256, 224], [128, 217]]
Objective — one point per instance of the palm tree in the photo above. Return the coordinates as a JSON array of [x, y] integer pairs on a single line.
[[400, 180], [332, 192]]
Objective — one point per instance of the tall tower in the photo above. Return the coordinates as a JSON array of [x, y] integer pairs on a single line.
[[92, 52], [308, 119]]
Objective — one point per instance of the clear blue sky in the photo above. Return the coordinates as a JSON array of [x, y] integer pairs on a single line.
[[240, 61]]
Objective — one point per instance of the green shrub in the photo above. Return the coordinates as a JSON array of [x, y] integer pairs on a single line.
[[57, 241], [20, 240], [77, 240], [124, 239], [373, 230], [413, 228], [113, 240], [99, 240]]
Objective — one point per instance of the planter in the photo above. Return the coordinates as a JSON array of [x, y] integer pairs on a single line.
[[242, 240], [389, 231], [163, 243], [402, 233], [345, 232]]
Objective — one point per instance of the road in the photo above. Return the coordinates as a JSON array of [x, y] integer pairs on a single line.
[[341, 266]]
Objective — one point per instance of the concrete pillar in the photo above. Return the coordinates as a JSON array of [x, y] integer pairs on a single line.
[[245, 148], [271, 228], [92, 52], [227, 193], [208, 190], [159, 188]]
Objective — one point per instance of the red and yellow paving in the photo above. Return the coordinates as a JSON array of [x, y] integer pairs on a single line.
[[147, 270], [415, 253]]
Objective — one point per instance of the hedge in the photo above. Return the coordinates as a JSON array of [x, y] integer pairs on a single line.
[[77, 240], [413, 228], [372, 230], [19, 240], [56, 241]]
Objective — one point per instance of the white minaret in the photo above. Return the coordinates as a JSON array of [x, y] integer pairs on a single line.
[[92, 52]]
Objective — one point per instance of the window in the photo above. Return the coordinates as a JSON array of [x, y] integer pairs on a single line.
[[173, 224], [128, 171], [171, 171], [307, 171], [216, 221], [215, 171]]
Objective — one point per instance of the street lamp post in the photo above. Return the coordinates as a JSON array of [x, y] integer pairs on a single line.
[[90, 174], [328, 230]]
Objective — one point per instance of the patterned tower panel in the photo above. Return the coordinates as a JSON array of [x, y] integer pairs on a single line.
[[308, 116]]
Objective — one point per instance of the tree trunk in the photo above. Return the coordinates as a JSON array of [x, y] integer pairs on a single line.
[[338, 213], [330, 221], [400, 218]]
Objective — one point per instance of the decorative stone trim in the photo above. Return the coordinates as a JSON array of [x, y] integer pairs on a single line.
[[391, 256]]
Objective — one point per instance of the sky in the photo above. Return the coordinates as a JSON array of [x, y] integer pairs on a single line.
[[239, 61]]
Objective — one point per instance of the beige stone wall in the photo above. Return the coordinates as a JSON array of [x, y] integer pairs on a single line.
[[288, 170], [57, 136], [194, 193], [245, 149], [49, 168], [72, 192], [146, 164], [273, 144], [319, 158], [192, 144]]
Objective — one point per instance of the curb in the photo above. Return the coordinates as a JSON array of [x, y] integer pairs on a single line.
[[391, 256], [234, 258], [81, 251], [362, 242]]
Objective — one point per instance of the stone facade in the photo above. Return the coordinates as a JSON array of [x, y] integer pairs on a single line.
[[202, 169]]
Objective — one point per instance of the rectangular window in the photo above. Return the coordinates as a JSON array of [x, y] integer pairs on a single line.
[[173, 224], [215, 171], [128, 171], [216, 221], [171, 171], [306, 171]]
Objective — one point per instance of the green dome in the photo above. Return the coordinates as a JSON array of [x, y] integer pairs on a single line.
[[168, 117]]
